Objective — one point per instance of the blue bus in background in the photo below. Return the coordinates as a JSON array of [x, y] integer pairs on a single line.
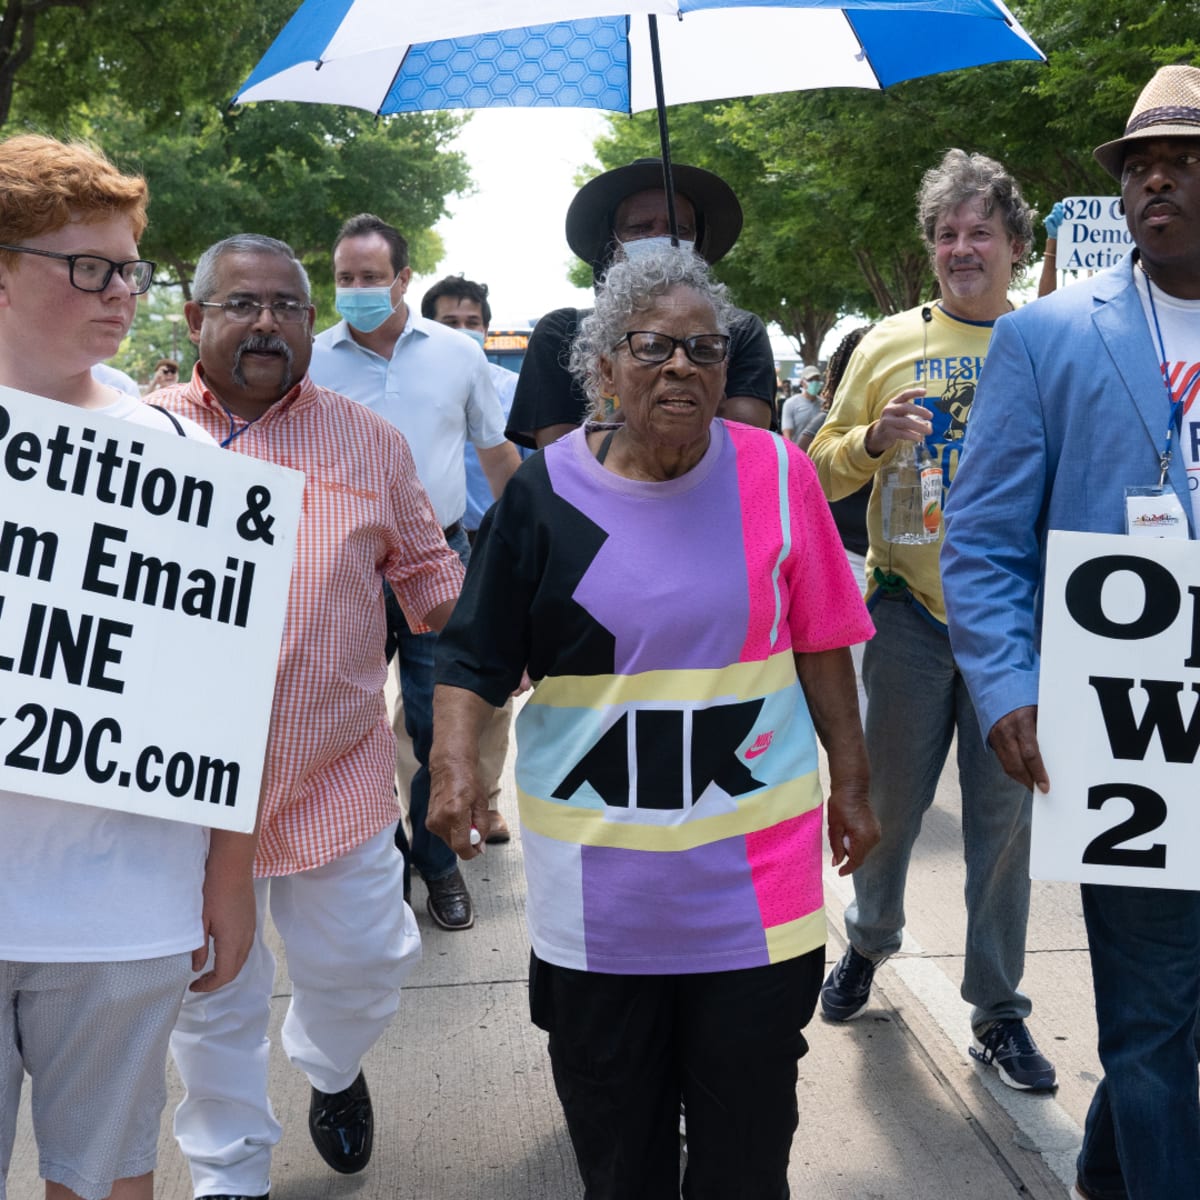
[[506, 347]]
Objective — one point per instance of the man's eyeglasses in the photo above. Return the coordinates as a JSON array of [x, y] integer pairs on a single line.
[[92, 273], [704, 349], [243, 312]]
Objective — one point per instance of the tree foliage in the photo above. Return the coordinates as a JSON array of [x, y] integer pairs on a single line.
[[150, 84]]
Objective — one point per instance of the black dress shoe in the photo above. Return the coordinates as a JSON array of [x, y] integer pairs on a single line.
[[449, 902], [342, 1125]]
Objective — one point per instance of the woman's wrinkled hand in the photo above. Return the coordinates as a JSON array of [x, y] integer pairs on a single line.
[[458, 804]]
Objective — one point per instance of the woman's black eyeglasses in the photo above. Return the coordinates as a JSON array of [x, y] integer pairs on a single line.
[[704, 349]]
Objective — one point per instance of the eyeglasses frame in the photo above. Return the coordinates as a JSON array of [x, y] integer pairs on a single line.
[[301, 309], [675, 344], [71, 259]]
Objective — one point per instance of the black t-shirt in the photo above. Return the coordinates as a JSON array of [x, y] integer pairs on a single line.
[[547, 394]]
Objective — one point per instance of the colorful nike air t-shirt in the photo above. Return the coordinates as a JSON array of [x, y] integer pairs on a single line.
[[666, 762]]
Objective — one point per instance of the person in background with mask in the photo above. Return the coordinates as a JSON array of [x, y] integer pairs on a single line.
[[616, 216], [800, 407], [434, 386]]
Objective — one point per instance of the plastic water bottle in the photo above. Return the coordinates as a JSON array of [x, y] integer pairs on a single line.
[[912, 496]]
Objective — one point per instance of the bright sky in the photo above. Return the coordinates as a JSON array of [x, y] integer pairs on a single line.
[[509, 234]]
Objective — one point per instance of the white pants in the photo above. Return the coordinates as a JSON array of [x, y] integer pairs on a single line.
[[350, 941]]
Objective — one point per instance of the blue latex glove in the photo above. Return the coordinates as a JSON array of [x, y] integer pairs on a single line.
[[1054, 219]]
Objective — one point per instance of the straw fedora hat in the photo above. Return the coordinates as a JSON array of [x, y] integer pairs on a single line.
[[590, 217], [1169, 106]]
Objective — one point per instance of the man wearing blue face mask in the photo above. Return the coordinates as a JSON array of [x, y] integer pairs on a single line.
[[621, 214], [434, 386]]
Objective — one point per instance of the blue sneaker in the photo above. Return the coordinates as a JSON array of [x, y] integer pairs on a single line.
[[846, 992], [1007, 1046]]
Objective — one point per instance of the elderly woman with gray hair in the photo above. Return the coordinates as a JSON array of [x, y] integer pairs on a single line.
[[676, 587]]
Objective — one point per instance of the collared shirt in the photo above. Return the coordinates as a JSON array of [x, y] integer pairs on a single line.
[[435, 388], [479, 491], [327, 781]]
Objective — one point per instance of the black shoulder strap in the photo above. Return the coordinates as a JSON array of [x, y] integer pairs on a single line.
[[605, 446], [170, 417]]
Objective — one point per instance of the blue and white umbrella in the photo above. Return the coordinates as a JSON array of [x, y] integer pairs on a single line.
[[393, 56]]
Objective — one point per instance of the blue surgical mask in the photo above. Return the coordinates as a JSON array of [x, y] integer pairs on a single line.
[[365, 308], [476, 335], [813, 387], [635, 250]]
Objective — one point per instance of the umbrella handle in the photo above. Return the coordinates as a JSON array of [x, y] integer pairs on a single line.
[[663, 138]]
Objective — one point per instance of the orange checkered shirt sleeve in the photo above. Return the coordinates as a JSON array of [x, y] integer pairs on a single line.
[[327, 781]]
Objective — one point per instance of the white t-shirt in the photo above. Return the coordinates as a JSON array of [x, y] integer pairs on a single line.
[[82, 884], [114, 378], [1179, 321], [436, 389]]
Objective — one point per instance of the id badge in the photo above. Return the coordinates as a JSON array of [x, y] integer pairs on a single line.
[[1154, 512]]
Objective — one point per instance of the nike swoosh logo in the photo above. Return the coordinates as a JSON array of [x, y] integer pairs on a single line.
[[761, 744]]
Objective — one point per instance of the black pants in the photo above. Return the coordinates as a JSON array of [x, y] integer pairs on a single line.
[[626, 1049]]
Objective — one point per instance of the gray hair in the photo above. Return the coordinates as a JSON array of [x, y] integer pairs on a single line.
[[961, 177], [204, 283], [630, 287]]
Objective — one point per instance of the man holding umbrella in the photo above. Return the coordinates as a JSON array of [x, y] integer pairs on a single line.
[[616, 215]]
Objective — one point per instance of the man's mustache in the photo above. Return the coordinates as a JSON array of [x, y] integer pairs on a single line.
[[263, 343]]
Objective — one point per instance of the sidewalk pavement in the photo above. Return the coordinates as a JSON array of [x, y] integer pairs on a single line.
[[891, 1106]]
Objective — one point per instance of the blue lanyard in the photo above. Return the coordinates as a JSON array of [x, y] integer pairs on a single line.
[[1175, 419], [233, 432]]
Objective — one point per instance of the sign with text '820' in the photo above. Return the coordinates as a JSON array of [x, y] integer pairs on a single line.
[[1119, 712]]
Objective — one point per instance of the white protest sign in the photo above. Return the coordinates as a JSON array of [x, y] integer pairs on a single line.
[[1119, 712], [143, 585], [1093, 233]]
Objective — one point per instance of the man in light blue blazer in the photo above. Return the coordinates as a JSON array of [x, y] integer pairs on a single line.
[[1073, 406]]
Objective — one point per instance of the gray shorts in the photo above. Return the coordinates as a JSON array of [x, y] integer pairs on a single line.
[[93, 1038]]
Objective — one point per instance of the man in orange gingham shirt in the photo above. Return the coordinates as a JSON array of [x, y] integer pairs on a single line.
[[326, 862]]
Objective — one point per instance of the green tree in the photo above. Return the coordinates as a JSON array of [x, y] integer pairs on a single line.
[[164, 57], [150, 84], [292, 171]]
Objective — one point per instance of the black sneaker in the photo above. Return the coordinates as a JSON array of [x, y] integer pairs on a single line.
[[846, 992], [1007, 1046]]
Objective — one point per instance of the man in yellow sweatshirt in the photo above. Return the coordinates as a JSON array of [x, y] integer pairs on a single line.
[[912, 379]]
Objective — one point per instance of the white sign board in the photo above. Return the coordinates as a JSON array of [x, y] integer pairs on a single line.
[[1119, 712], [143, 585], [1093, 233]]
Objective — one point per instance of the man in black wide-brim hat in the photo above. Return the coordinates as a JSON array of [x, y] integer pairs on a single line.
[[620, 213]]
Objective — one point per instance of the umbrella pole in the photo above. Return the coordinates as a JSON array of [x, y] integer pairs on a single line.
[[663, 138]]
